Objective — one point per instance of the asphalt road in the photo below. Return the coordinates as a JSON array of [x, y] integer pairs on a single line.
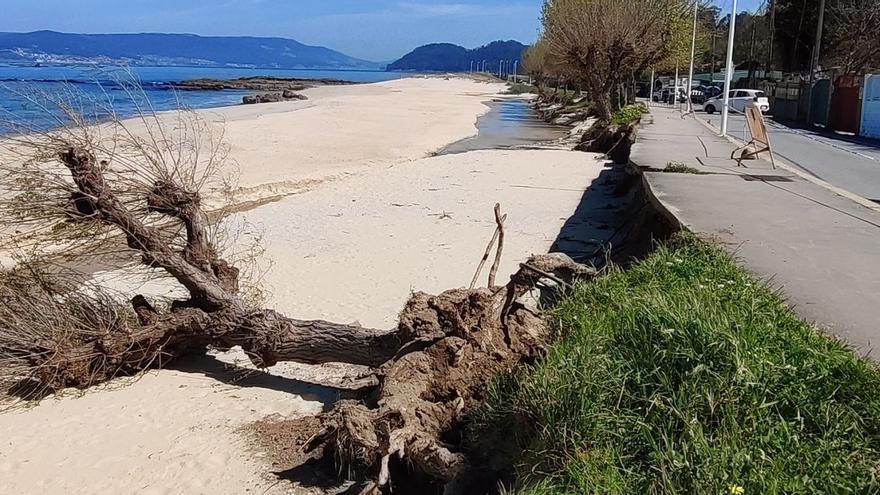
[[847, 162]]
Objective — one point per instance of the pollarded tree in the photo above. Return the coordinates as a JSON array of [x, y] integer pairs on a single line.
[[606, 41]]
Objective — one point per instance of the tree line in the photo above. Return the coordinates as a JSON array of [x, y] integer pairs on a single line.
[[604, 46]]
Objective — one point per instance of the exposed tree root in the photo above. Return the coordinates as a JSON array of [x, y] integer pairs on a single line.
[[614, 140], [462, 338]]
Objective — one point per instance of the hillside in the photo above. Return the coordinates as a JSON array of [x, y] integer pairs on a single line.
[[454, 58], [172, 49]]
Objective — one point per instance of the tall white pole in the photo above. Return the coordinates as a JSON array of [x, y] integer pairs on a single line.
[[500, 63], [651, 91], [515, 63], [728, 72], [690, 85]]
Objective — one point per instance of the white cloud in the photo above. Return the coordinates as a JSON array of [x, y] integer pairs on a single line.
[[451, 9]]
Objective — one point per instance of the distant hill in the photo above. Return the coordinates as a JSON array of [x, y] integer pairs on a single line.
[[453, 58], [172, 49]]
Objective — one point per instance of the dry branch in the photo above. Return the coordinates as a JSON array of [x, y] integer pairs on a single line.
[[499, 231], [499, 221]]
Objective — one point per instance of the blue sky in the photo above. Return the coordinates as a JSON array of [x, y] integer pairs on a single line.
[[377, 30]]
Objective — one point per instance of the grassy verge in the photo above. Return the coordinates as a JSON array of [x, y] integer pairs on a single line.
[[684, 375], [680, 168], [521, 89]]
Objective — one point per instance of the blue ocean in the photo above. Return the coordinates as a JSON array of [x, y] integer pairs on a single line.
[[30, 96]]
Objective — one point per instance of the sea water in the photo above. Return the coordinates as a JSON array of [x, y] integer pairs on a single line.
[[31, 97]]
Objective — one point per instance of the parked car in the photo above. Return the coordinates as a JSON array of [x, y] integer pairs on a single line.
[[739, 100], [709, 91]]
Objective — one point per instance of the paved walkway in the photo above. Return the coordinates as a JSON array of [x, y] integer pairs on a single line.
[[849, 162], [819, 246]]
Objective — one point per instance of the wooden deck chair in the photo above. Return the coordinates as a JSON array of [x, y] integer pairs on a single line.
[[760, 139]]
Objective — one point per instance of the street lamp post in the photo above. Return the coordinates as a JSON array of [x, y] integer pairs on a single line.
[[500, 64], [515, 63], [471, 71], [690, 85], [728, 72]]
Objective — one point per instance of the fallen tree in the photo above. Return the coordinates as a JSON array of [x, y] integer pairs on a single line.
[[429, 370]]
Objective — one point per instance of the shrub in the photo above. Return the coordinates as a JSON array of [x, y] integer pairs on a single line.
[[628, 114]]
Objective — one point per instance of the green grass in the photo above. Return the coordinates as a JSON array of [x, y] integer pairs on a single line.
[[628, 114], [680, 168], [685, 375], [520, 89]]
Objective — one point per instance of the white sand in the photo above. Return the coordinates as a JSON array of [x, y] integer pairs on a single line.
[[344, 250], [285, 147]]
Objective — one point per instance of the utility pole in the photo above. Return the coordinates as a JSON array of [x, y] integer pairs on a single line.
[[471, 71], [515, 63], [690, 104], [772, 36], [814, 63], [728, 72], [500, 64], [817, 48], [752, 57], [651, 91], [712, 70]]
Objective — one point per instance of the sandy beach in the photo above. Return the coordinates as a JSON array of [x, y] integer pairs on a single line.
[[361, 216]]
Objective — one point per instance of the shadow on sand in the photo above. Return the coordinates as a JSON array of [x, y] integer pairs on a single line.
[[614, 221], [232, 374]]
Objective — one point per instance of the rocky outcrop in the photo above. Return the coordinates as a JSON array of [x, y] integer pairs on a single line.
[[272, 84], [286, 95]]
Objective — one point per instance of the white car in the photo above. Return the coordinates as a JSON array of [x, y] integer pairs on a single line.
[[739, 100]]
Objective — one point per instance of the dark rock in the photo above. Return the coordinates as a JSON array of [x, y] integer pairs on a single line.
[[291, 95], [260, 83]]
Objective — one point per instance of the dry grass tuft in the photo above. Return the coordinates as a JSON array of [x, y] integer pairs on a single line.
[[44, 314]]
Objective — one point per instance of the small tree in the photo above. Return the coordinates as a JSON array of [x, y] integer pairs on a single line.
[[606, 41], [536, 64]]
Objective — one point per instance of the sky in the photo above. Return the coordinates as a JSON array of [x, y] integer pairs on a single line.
[[377, 30]]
